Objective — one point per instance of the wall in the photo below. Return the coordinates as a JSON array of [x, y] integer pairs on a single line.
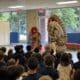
[[73, 37], [4, 33]]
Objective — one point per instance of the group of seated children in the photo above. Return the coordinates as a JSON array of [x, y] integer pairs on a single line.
[[32, 65]]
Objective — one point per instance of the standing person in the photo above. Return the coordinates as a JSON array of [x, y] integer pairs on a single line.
[[35, 37], [57, 34]]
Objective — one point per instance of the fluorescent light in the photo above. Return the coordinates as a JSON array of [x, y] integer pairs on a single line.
[[67, 2], [16, 7]]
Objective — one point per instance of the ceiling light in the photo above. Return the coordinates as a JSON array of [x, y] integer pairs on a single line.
[[16, 7], [67, 2]]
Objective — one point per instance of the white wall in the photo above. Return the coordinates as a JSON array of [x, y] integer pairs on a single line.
[[4, 33]]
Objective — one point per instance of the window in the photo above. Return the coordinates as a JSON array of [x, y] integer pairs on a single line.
[[17, 22], [22, 26], [14, 21], [70, 18], [4, 16]]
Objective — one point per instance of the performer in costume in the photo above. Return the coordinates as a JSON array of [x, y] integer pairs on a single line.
[[35, 37], [57, 34]]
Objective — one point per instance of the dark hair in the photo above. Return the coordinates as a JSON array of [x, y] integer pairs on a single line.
[[78, 55], [36, 50], [76, 75], [32, 63], [10, 52], [52, 51], [3, 49], [58, 55], [39, 58], [1, 55], [21, 46], [15, 71], [28, 48], [11, 62], [18, 48], [48, 60], [64, 59], [70, 55]]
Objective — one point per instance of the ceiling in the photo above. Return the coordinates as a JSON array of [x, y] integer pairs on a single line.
[[33, 4]]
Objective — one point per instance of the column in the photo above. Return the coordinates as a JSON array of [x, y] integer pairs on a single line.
[[32, 19]]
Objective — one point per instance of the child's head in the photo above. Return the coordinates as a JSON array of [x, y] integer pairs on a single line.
[[64, 59], [17, 48], [10, 52], [11, 62], [3, 49], [15, 72], [32, 63], [38, 56], [48, 60], [28, 48], [36, 50]]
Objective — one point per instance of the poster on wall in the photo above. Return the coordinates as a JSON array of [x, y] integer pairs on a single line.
[[4, 33]]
